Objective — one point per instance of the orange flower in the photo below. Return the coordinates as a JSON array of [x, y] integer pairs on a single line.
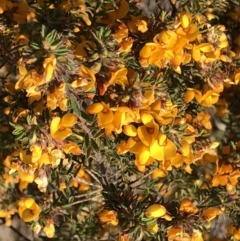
[[210, 213], [188, 207], [109, 217]]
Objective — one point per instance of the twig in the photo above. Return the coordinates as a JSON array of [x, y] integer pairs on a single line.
[[82, 201], [90, 193], [81, 180]]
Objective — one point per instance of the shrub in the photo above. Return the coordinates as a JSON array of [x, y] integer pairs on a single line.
[[120, 119]]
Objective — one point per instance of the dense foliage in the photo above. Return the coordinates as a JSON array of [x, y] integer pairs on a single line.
[[120, 118]]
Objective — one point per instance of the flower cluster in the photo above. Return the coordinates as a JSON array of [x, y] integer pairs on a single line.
[[120, 119]]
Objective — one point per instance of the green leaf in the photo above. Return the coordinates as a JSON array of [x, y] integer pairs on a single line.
[[94, 145], [51, 37], [43, 31], [61, 52], [74, 105]]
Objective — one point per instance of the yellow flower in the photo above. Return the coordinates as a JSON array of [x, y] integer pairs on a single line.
[[104, 113], [57, 98], [155, 211], [126, 45], [86, 79], [7, 214], [167, 39], [71, 147], [60, 128], [108, 217], [210, 213], [203, 119], [185, 19], [163, 149], [49, 229], [148, 133], [206, 100], [121, 33], [142, 26], [28, 209], [190, 33], [150, 54], [199, 50], [188, 207], [119, 77]]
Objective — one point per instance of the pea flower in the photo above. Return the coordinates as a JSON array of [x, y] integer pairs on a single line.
[[28, 209], [60, 128], [109, 217], [49, 229], [155, 211]]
